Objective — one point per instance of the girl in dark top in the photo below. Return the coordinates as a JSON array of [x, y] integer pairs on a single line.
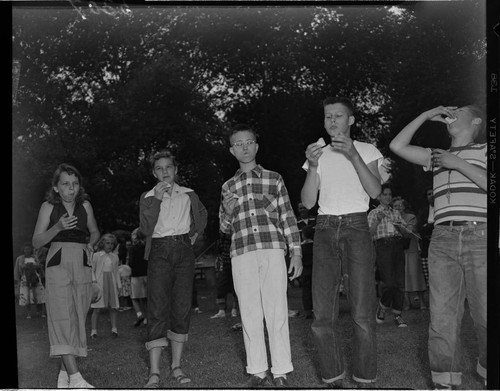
[[66, 221]]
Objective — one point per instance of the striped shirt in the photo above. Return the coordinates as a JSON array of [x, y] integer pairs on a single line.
[[386, 228], [456, 197], [263, 217]]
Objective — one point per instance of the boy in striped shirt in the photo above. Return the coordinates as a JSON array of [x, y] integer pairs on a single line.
[[457, 252], [256, 209]]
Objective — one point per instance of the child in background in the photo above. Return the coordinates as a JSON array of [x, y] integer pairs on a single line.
[[27, 275], [139, 276], [105, 269], [125, 273]]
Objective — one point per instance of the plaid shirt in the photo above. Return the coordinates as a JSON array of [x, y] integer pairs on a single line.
[[263, 217], [386, 228]]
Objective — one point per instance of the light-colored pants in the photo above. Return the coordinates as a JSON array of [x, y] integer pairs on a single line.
[[68, 280], [260, 282]]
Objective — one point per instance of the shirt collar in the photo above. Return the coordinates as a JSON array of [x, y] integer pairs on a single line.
[[258, 169], [175, 191]]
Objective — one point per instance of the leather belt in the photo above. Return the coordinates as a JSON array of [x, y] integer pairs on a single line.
[[390, 238], [173, 237], [458, 223]]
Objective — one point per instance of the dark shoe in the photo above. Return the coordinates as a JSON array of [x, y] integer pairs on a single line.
[[365, 385], [139, 321], [93, 336], [380, 314], [236, 327], [280, 382], [439, 386], [336, 385], [114, 334], [256, 381], [399, 321]]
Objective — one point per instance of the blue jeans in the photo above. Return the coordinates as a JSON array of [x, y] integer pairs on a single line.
[[343, 249], [390, 261], [457, 270], [170, 287]]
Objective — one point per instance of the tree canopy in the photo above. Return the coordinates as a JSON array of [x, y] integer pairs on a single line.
[[103, 86]]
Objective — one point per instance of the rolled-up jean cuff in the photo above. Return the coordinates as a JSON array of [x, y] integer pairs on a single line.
[[451, 378], [157, 343], [364, 381], [176, 337], [481, 370], [333, 379]]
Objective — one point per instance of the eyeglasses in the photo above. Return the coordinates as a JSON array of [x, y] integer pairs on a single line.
[[240, 144]]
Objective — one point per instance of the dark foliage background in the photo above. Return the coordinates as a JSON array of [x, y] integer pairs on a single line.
[[102, 87]]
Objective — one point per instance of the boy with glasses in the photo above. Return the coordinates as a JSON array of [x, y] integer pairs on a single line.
[[256, 210]]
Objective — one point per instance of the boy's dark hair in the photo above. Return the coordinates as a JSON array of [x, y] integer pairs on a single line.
[[54, 197], [342, 100], [242, 128], [308, 232], [163, 153]]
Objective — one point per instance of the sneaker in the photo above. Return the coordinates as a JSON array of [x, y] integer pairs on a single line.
[[399, 321], [234, 312], [220, 314], [81, 383], [237, 327], [63, 380], [380, 314], [139, 320], [197, 310]]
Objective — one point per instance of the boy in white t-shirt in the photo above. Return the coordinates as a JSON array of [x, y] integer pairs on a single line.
[[345, 174]]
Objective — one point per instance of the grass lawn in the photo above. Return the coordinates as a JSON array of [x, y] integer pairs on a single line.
[[215, 356]]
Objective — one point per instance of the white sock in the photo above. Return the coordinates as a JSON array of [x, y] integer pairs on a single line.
[[262, 375], [114, 330], [283, 376], [139, 314]]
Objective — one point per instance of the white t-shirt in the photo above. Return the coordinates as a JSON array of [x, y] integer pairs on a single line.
[[340, 190]]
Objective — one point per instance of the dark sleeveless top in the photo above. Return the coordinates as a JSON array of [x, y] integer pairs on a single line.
[[79, 234]]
